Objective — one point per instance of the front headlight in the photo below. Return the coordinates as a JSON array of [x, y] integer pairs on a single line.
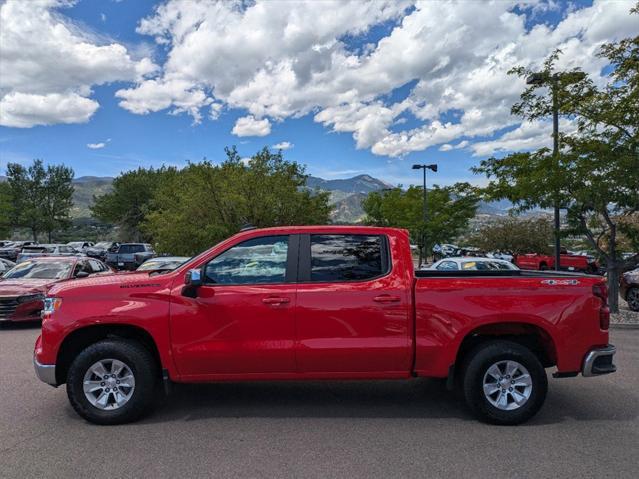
[[51, 305], [27, 298]]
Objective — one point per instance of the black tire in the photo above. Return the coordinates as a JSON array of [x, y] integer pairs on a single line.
[[543, 267], [476, 366], [141, 363]]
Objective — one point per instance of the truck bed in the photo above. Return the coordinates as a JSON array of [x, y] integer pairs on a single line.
[[450, 305]]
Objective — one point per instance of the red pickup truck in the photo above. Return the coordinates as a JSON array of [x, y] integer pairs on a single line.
[[567, 262], [321, 302]]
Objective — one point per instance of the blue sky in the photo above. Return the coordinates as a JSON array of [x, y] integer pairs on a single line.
[[400, 83]]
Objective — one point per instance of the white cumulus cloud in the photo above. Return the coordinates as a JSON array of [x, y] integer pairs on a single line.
[[99, 145], [24, 110], [284, 145], [249, 126], [48, 65], [278, 60]]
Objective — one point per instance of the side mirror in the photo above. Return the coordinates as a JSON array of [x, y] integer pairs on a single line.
[[82, 274], [193, 278]]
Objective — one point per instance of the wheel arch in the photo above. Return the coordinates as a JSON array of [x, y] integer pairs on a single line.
[[529, 335], [81, 338]]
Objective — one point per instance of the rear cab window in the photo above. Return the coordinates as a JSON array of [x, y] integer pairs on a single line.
[[346, 257]]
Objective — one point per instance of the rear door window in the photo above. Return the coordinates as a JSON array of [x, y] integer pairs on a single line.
[[338, 258]]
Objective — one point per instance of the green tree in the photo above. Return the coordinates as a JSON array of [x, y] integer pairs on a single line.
[[129, 202], [6, 210], [515, 235], [205, 203], [449, 209], [596, 177], [41, 197], [58, 199]]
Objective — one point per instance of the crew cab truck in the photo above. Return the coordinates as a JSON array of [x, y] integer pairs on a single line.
[[567, 262], [308, 303], [129, 256]]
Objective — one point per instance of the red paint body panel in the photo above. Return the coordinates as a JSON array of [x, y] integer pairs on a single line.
[[447, 310], [325, 330], [349, 328]]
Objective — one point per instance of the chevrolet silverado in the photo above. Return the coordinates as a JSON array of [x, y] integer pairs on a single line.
[[320, 302]]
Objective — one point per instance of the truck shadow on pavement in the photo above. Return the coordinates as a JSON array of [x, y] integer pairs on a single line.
[[419, 398], [20, 325]]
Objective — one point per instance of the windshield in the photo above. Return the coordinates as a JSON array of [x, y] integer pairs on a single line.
[[40, 270], [76, 244], [156, 264], [103, 245]]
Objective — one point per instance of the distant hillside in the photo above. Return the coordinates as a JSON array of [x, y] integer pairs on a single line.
[[356, 184], [85, 188]]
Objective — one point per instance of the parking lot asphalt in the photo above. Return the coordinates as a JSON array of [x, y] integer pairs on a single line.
[[588, 427]]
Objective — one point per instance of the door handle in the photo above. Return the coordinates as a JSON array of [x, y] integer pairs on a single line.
[[276, 300], [386, 298]]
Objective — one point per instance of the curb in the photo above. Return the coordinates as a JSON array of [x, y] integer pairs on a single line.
[[624, 326]]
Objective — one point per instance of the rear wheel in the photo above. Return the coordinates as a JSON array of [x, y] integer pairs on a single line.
[[504, 383], [112, 382], [543, 267], [632, 297]]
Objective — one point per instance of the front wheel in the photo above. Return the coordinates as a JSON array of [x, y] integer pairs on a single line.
[[504, 383], [112, 382]]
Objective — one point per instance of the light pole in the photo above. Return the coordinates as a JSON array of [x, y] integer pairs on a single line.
[[422, 251], [539, 79]]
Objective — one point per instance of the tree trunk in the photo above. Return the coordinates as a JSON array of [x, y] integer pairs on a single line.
[[49, 236], [613, 286], [35, 234]]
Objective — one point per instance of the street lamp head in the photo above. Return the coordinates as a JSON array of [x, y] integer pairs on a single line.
[[432, 167], [418, 167], [535, 79]]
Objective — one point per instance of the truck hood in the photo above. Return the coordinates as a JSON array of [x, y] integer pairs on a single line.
[[134, 279], [19, 287]]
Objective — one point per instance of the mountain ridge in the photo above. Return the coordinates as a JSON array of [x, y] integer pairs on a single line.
[[346, 195]]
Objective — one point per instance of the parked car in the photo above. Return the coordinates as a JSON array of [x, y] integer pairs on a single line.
[[163, 263], [630, 288], [321, 302], [22, 288], [501, 255], [101, 249], [445, 250], [473, 264], [80, 246], [37, 251], [130, 255], [567, 262], [5, 265], [12, 250]]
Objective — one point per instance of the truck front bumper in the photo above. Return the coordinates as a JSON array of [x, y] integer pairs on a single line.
[[598, 361], [45, 372]]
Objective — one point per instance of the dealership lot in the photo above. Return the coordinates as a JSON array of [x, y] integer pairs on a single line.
[[589, 427]]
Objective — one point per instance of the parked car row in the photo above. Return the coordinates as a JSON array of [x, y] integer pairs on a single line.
[[23, 287], [569, 261], [34, 268]]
